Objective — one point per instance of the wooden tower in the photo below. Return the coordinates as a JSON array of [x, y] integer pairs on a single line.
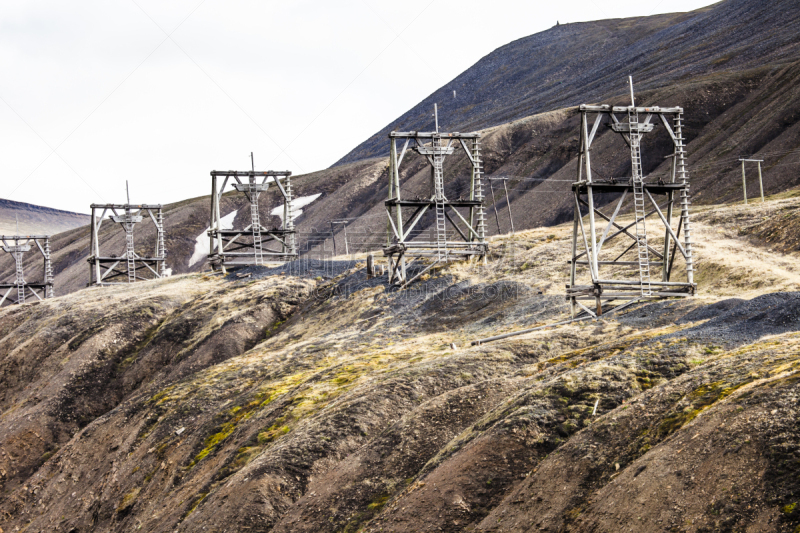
[[448, 240], [641, 272], [130, 266], [16, 292], [254, 244]]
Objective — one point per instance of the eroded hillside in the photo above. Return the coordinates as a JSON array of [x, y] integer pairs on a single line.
[[325, 402]]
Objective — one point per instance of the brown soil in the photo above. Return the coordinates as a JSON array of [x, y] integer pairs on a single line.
[[295, 404]]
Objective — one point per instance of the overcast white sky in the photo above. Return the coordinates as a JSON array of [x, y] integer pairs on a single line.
[[160, 93]]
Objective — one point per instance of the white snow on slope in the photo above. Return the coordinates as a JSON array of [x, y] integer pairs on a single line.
[[201, 248], [297, 205]]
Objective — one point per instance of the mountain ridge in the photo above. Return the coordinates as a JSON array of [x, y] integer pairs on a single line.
[[37, 219], [727, 35]]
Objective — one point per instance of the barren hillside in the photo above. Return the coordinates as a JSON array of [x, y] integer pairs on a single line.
[[326, 402]]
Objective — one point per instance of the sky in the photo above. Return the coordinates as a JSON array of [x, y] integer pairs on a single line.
[[97, 92]]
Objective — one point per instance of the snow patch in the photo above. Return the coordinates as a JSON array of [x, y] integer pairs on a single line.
[[201, 248], [297, 205], [167, 272]]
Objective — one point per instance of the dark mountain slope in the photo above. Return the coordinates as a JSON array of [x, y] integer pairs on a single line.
[[577, 63]]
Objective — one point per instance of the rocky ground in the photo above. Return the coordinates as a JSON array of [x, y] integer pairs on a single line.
[[319, 400]]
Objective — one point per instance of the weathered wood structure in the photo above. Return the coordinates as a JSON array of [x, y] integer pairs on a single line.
[[405, 214], [18, 245], [254, 244], [744, 178], [600, 277], [129, 266]]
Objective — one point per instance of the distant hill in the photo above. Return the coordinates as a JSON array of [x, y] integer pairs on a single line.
[[585, 62], [35, 219]]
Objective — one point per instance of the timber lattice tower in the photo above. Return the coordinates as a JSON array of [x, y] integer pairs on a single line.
[[130, 266], [17, 291], [255, 244], [641, 271], [405, 214]]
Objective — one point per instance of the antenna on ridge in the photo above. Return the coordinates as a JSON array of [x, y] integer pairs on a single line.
[[436, 117], [630, 81], [252, 163], [128, 192]]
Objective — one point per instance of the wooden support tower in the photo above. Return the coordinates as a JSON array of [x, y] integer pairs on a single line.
[[255, 244], [405, 215], [19, 290], [130, 266], [606, 279]]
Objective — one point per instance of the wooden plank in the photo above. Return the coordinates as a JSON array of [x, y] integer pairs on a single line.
[[472, 231], [666, 224], [621, 109], [415, 218], [432, 134], [625, 229], [596, 125], [611, 222], [402, 153], [585, 242], [446, 214], [466, 151], [394, 228]]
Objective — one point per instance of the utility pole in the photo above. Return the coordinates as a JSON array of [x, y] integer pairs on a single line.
[[744, 181], [508, 202], [333, 236], [496, 216], [630, 81]]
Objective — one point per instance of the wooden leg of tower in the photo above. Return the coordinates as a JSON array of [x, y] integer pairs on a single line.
[[218, 226], [96, 249], [667, 241], [92, 278], [212, 223], [573, 263]]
